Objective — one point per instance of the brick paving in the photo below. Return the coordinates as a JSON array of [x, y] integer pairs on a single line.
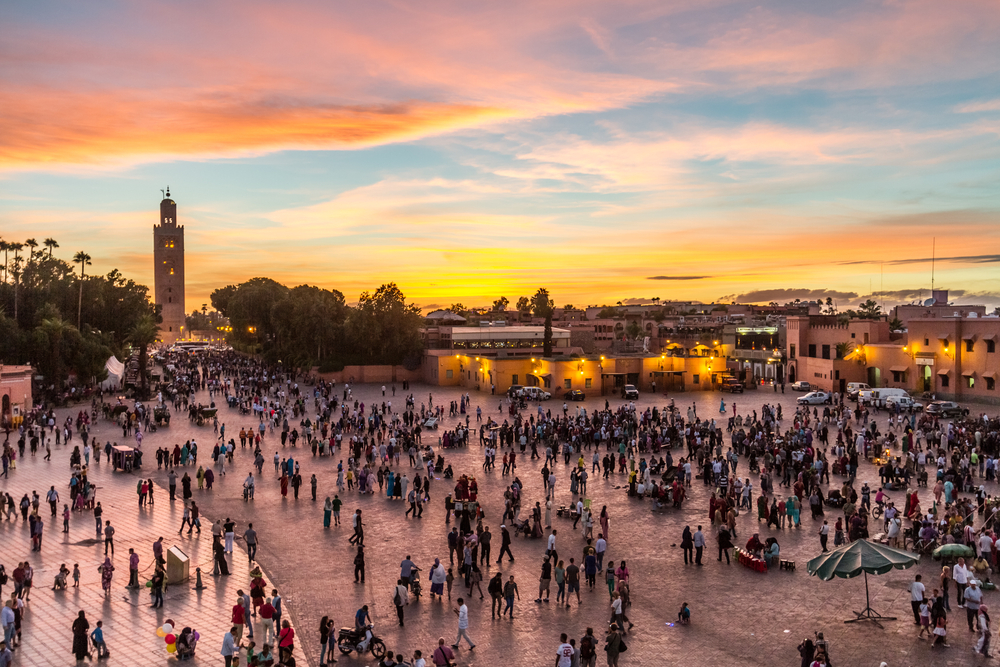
[[129, 623], [739, 617]]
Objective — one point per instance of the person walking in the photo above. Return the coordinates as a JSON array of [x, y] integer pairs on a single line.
[[400, 598], [495, 589], [250, 538], [699, 545], [509, 591], [462, 611], [824, 535], [80, 627], [106, 570], [917, 596], [109, 538]]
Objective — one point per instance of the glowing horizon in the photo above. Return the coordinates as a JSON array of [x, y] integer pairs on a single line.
[[607, 151]]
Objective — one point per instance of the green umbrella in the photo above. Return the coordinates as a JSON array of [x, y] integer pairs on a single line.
[[860, 556], [953, 551]]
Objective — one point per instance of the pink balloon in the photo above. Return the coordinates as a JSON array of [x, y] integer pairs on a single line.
[[170, 639], [196, 635]]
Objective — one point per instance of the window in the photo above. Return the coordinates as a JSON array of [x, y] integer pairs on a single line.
[[866, 339], [899, 376], [854, 335], [449, 374], [991, 384], [567, 383], [171, 328], [588, 383], [836, 375], [812, 350], [791, 351], [991, 346], [696, 379], [513, 379], [170, 299], [944, 380], [826, 351], [969, 345]]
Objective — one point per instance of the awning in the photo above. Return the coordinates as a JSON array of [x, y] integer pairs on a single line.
[[968, 374], [993, 375], [899, 369], [541, 376], [944, 371], [944, 336], [970, 336], [991, 337]]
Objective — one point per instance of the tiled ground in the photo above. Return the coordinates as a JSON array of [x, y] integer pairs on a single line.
[[740, 617]]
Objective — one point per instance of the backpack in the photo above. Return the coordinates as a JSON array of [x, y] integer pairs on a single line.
[[397, 599], [586, 647]]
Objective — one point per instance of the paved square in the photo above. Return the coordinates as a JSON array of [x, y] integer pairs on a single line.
[[739, 617]]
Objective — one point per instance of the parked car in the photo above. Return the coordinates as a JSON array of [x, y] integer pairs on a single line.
[[536, 394], [801, 385], [854, 387], [880, 396], [732, 385], [574, 395], [630, 392], [904, 403], [946, 409], [815, 398]]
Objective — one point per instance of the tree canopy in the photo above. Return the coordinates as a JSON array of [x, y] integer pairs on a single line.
[[309, 325]]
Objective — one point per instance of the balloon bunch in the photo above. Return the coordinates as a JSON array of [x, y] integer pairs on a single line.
[[166, 631]]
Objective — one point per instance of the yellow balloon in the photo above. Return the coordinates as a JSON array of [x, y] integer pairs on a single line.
[[171, 648], [160, 633]]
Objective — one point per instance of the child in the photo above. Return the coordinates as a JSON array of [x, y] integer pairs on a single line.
[[97, 636], [925, 619], [684, 615], [448, 580], [76, 575], [60, 582], [940, 632]]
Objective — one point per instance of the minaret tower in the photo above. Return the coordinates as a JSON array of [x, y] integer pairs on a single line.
[[168, 271]]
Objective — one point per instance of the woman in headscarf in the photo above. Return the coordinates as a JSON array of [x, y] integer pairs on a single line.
[[106, 569], [604, 522], [983, 645], [80, 628], [438, 576], [185, 644]]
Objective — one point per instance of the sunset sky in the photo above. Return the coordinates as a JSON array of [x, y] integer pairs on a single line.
[[470, 150]]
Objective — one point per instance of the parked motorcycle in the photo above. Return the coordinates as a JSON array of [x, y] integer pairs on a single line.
[[362, 641]]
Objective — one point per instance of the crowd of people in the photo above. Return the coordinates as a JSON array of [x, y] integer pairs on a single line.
[[654, 454]]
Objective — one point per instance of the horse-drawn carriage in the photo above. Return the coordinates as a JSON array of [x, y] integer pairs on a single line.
[[161, 414], [201, 415]]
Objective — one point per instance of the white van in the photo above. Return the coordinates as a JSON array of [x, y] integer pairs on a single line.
[[536, 394], [854, 387], [878, 396]]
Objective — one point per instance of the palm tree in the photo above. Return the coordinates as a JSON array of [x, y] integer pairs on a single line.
[[143, 334], [83, 259], [5, 247], [16, 247], [31, 243], [51, 244], [54, 330]]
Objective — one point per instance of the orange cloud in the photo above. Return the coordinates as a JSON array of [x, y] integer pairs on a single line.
[[45, 127]]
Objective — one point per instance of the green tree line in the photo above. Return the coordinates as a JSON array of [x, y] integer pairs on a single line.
[[60, 319], [307, 325]]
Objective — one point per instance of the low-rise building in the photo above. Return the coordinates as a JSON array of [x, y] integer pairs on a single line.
[[15, 393]]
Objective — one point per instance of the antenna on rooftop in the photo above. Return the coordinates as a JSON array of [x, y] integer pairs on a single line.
[[933, 255]]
